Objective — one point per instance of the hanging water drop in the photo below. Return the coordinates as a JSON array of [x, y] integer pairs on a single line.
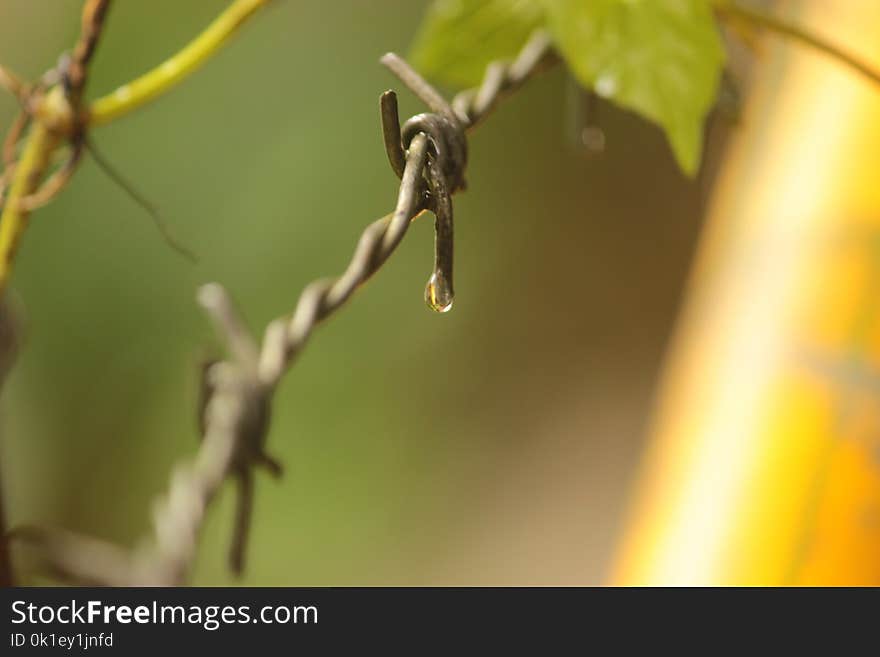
[[438, 293], [582, 110]]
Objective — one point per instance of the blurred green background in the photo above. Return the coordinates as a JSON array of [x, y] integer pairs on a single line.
[[491, 445]]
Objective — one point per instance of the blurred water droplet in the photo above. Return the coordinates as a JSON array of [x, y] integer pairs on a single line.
[[606, 85], [438, 293], [582, 117], [593, 139]]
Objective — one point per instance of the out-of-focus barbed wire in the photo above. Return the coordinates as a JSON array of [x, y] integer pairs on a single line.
[[429, 155]]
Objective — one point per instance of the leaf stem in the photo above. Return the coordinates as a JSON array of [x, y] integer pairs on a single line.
[[735, 10], [166, 75]]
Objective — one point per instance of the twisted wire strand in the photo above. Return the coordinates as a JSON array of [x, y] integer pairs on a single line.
[[429, 156]]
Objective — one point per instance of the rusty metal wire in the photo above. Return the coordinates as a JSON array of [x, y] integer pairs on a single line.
[[429, 155]]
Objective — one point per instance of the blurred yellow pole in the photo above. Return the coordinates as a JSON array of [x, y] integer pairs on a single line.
[[764, 461]]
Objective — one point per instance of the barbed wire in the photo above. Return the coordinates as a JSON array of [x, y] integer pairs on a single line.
[[429, 155]]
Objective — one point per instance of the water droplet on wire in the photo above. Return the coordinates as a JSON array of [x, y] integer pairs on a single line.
[[438, 293]]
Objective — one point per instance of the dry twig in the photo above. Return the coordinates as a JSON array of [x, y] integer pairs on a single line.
[[10, 337]]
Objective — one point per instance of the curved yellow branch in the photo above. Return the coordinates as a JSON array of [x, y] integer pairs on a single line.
[[763, 466], [161, 79], [767, 21], [29, 171]]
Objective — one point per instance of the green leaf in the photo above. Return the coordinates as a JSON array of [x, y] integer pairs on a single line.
[[660, 58], [459, 38]]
